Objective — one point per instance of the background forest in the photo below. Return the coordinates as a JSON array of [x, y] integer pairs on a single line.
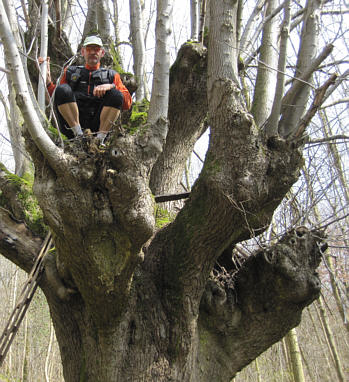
[[318, 349]]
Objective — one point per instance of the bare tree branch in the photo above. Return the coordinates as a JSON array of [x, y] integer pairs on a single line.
[[318, 99], [138, 46], [328, 139], [293, 105], [43, 53], [4, 70], [160, 89], [339, 101], [266, 79], [272, 124], [303, 79], [258, 9], [194, 17], [103, 14], [40, 137]]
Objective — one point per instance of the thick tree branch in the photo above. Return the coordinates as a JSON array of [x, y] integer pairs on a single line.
[[227, 204], [43, 53], [273, 121], [138, 46], [294, 102], [250, 55], [263, 299], [300, 82], [17, 242], [90, 25], [66, 17], [160, 87], [195, 18], [103, 13], [315, 106], [187, 114], [266, 79], [250, 22], [14, 124], [203, 21], [9, 194]]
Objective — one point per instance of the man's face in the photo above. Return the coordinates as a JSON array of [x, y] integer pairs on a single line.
[[92, 54]]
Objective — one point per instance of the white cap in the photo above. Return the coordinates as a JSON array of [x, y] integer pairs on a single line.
[[92, 40]]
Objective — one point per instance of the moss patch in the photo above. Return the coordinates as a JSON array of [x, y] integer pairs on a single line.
[[139, 116], [211, 166], [32, 212], [53, 132], [117, 61], [162, 217]]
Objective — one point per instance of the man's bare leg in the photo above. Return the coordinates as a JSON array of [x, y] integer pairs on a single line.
[[108, 116], [70, 113]]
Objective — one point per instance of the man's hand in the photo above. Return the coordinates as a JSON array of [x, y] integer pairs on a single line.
[[48, 71], [100, 90]]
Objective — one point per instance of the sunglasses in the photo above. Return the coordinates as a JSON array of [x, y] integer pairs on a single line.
[[90, 48]]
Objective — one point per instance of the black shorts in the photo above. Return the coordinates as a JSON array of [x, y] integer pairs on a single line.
[[90, 107]]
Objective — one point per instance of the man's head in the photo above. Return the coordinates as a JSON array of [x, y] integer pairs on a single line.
[[92, 50]]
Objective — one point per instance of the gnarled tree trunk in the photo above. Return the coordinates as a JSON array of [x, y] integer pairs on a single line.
[[133, 303]]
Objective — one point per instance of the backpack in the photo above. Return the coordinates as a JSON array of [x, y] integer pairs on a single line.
[[100, 76]]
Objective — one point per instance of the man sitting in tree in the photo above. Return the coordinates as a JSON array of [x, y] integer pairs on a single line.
[[89, 97]]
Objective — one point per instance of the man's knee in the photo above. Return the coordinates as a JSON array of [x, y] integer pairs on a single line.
[[64, 94], [114, 98]]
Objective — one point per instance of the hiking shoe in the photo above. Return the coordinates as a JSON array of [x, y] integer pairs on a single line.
[[77, 131]]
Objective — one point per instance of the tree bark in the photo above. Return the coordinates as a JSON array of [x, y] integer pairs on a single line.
[[14, 122], [138, 46], [324, 354], [145, 344], [273, 122], [195, 18], [187, 114], [245, 36], [294, 103], [160, 88], [266, 75], [47, 360], [67, 15], [103, 14], [91, 25], [295, 355], [133, 303], [259, 377], [331, 341], [43, 53]]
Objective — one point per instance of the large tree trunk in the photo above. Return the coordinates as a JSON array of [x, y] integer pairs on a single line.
[[151, 339], [132, 303]]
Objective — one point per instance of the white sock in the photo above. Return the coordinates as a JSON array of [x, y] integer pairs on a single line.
[[77, 130], [101, 135]]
